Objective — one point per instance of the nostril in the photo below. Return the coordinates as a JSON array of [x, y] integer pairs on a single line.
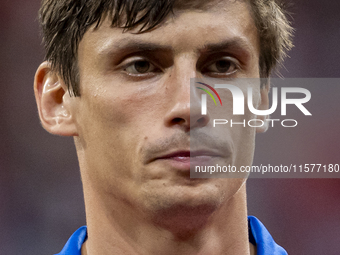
[[201, 120], [177, 121]]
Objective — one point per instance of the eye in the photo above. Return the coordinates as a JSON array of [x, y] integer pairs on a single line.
[[221, 67], [140, 67]]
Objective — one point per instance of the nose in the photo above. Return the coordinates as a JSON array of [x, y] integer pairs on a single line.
[[185, 111]]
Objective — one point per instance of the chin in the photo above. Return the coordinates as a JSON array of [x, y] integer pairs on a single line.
[[188, 207]]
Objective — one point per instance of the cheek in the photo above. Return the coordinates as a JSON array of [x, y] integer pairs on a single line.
[[242, 133], [246, 137], [115, 122], [116, 111], [112, 125]]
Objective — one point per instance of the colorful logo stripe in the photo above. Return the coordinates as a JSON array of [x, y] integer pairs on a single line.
[[209, 92]]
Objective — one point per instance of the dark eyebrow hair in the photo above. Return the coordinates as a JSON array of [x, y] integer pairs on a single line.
[[237, 46], [131, 45], [128, 44], [233, 44]]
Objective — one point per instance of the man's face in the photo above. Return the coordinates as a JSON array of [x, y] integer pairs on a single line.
[[137, 110]]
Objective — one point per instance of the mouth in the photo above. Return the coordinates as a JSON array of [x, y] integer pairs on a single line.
[[182, 160]]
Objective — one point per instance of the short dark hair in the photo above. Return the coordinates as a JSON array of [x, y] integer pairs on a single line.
[[64, 23]]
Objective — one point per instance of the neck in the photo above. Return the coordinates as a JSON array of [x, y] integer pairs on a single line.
[[126, 231]]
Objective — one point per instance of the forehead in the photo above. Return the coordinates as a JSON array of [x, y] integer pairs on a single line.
[[193, 25]]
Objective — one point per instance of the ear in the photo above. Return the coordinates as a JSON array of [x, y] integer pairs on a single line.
[[264, 105], [54, 102]]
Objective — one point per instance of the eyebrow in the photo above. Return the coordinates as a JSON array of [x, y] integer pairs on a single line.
[[128, 45], [237, 45]]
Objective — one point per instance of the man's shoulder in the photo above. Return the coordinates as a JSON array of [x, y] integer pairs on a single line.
[[258, 236]]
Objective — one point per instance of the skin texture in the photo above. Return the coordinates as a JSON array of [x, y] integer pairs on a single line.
[[124, 121]]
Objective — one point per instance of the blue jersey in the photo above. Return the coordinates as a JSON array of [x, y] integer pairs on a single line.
[[258, 236]]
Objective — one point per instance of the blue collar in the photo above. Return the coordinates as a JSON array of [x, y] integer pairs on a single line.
[[258, 235]]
